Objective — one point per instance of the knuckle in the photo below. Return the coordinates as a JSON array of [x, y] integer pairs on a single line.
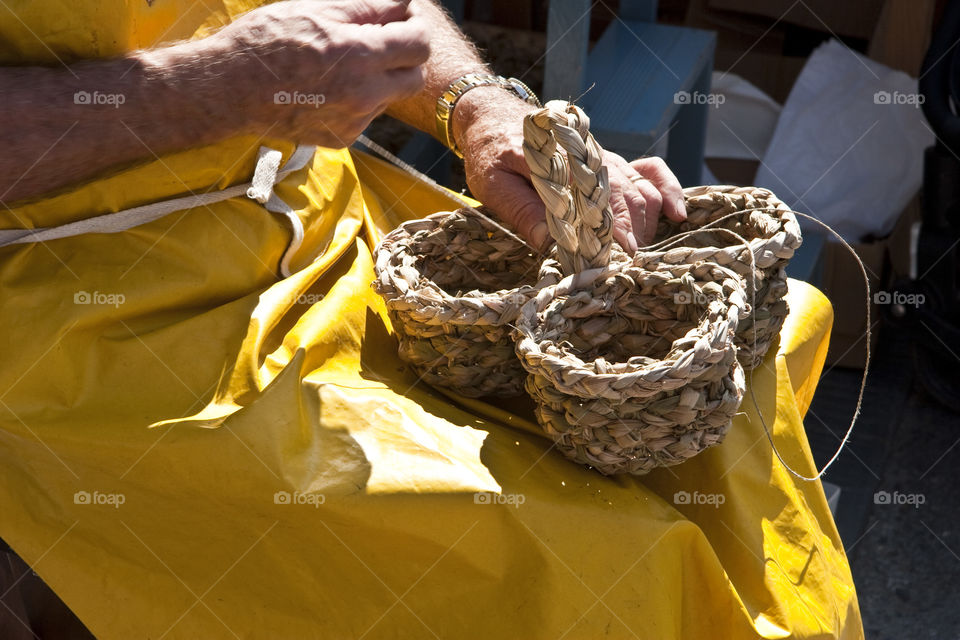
[[336, 46], [654, 199], [623, 223], [526, 219], [420, 35], [418, 80], [657, 163], [613, 158], [421, 48], [621, 207]]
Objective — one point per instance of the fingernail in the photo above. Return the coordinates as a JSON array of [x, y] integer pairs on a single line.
[[682, 208], [632, 245]]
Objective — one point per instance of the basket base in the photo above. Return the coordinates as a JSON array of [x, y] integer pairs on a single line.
[[636, 437]]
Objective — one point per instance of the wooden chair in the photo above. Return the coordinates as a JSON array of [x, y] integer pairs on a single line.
[[648, 83]]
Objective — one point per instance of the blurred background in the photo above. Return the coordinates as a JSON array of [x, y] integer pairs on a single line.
[[846, 110]]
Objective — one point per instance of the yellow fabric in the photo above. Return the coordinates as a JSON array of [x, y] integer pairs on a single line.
[[222, 454]]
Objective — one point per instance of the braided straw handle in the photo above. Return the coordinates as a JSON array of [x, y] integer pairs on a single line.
[[578, 214]]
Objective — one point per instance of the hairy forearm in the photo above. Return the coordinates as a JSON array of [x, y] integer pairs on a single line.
[[61, 125], [314, 71], [451, 55]]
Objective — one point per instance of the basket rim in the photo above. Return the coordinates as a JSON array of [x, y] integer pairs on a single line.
[[394, 248], [725, 310], [787, 238]]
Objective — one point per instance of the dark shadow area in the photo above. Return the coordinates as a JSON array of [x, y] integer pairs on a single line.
[[904, 550]]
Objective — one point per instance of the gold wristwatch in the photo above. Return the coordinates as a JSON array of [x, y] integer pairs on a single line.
[[448, 100]]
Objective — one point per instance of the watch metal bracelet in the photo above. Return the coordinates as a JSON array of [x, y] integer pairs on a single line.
[[449, 98]]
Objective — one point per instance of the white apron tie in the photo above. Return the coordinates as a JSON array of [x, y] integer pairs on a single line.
[[267, 174]]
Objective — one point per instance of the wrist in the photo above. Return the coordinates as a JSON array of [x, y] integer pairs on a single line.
[[485, 104], [489, 103]]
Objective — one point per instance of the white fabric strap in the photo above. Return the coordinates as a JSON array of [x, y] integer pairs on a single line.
[[267, 174], [264, 176]]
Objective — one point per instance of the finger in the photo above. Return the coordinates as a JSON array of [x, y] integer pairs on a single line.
[[643, 201], [379, 11], [396, 45], [645, 228], [627, 206], [655, 206], [516, 203], [623, 232], [658, 173]]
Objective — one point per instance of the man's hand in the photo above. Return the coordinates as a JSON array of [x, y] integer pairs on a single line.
[[322, 70], [312, 71], [488, 127]]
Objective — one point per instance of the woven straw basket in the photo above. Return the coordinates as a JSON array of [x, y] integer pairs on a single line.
[[453, 284], [772, 234], [603, 404]]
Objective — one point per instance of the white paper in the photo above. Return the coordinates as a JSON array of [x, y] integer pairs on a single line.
[[741, 120], [848, 147]]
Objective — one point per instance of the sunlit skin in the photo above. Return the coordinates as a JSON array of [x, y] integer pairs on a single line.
[[365, 57]]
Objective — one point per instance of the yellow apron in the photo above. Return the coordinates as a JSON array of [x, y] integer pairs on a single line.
[[194, 448]]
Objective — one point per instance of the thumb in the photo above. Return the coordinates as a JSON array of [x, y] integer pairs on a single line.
[[515, 202], [379, 11]]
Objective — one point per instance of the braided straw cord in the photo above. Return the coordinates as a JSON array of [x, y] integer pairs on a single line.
[[578, 216], [454, 282], [632, 360]]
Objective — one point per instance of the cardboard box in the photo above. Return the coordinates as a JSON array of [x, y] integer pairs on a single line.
[[740, 173], [843, 285], [903, 34], [886, 260], [854, 18], [749, 46], [774, 74], [740, 31]]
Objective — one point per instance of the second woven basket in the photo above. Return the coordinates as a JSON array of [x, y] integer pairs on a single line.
[[771, 233], [632, 361]]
